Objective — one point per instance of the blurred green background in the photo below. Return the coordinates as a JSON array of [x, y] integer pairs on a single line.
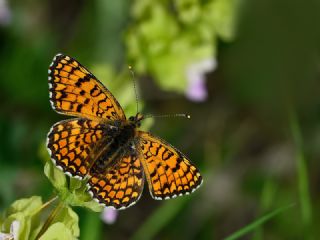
[[247, 71]]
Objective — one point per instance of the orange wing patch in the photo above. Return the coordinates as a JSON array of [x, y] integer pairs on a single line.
[[169, 173], [121, 186], [71, 144], [75, 91]]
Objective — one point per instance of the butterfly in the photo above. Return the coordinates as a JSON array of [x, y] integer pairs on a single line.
[[104, 147]]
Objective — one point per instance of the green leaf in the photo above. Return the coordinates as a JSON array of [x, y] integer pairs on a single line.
[[302, 170], [221, 14], [168, 71], [81, 198], [57, 231], [189, 11], [75, 193], [252, 226], [164, 43], [70, 219], [28, 206], [56, 176], [26, 212], [161, 25]]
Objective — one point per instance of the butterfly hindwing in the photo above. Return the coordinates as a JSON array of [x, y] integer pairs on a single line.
[[71, 144], [121, 185], [168, 171], [77, 92]]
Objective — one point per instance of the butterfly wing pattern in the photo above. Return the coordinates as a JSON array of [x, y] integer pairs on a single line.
[[169, 173], [74, 91], [121, 186], [102, 145], [70, 143]]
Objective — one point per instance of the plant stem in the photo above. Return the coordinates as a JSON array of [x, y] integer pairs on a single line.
[[46, 204], [49, 220], [252, 226]]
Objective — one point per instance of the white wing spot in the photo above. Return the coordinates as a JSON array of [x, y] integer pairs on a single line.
[[52, 105], [90, 193], [78, 177], [59, 167]]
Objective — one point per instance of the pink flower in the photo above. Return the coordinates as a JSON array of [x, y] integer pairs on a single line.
[[196, 90], [5, 13], [109, 215]]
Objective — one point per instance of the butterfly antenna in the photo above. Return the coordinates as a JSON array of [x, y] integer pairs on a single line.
[[135, 87], [184, 115]]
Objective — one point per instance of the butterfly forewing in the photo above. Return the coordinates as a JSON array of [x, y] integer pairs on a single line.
[[75, 91], [168, 171], [120, 186]]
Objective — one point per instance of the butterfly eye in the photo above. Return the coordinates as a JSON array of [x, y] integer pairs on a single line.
[[131, 118]]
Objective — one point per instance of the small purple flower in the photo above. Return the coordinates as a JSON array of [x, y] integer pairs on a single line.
[[5, 13], [196, 90], [109, 215]]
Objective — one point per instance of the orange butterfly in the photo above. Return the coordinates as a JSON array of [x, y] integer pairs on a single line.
[[104, 145]]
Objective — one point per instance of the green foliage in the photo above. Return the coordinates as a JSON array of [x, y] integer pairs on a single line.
[[71, 191], [254, 225], [26, 211], [64, 226], [22, 220], [162, 216], [165, 40], [302, 172], [57, 231]]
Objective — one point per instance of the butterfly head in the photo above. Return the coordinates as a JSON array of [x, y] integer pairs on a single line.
[[136, 120]]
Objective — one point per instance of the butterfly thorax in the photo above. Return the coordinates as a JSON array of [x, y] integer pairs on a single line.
[[119, 141]]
